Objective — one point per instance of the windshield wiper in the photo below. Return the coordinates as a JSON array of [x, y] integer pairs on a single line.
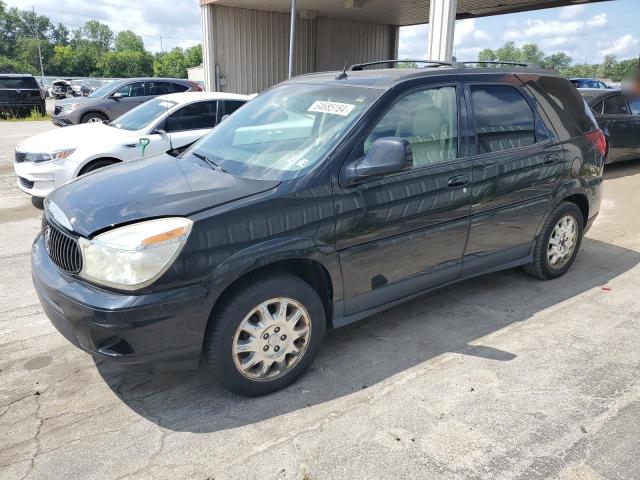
[[209, 161]]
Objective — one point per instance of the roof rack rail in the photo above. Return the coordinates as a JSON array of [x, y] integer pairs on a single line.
[[435, 63], [498, 62]]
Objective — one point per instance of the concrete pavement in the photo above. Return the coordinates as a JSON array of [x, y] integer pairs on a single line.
[[500, 377]]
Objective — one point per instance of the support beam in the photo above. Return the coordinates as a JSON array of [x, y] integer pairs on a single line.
[[292, 38], [442, 24], [208, 48]]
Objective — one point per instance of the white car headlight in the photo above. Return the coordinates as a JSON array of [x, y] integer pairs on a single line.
[[41, 157], [134, 256]]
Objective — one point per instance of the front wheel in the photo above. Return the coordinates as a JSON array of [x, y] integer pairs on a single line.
[[558, 243], [266, 335]]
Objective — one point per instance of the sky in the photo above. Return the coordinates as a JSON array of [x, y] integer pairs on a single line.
[[586, 32]]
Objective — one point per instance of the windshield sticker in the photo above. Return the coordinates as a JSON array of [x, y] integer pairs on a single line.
[[303, 163], [334, 108]]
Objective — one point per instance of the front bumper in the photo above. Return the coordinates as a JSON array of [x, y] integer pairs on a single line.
[[40, 180], [65, 118], [162, 329]]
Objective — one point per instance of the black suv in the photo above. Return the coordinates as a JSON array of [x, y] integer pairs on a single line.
[[20, 95], [326, 199]]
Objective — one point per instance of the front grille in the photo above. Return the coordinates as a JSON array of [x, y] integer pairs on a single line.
[[20, 156], [63, 249], [56, 110], [25, 183]]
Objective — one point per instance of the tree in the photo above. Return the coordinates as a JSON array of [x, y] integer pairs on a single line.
[[62, 61], [487, 55], [59, 35], [193, 56], [559, 61], [98, 34], [127, 63], [27, 52], [607, 66], [170, 64], [532, 54], [509, 52], [126, 40], [11, 65]]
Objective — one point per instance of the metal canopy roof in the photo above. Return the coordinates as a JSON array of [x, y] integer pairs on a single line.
[[394, 12]]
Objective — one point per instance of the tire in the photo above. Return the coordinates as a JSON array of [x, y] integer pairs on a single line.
[[542, 265], [96, 165], [226, 333], [94, 117]]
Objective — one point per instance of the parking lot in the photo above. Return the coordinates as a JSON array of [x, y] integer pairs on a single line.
[[500, 377]]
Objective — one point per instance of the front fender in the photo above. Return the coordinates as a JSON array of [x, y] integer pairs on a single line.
[[269, 252]]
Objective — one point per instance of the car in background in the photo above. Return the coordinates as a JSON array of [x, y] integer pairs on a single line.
[[169, 123], [116, 98], [326, 199], [618, 114], [589, 83], [20, 95]]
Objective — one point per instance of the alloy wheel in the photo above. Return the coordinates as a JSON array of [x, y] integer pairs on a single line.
[[562, 242]]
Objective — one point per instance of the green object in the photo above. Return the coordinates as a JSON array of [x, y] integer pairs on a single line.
[[143, 144]]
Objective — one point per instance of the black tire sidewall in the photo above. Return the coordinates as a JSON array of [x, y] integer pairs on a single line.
[[563, 210], [88, 116], [95, 165], [218, 347]]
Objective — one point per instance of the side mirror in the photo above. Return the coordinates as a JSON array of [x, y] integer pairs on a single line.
[[386, 155], [117, 96], [161, 132]]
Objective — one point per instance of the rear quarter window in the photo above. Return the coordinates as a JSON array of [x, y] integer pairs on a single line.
[[563, 104], [19, 82]]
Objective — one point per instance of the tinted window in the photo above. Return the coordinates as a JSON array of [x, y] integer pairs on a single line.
[[143, 115], [616, 105], [503, 118], [564, 105], [428, 120], [135, 89], [634, 104], [159, 88], [232, 105], [178, 87], [18, 82], [597, 108], [193, 117]]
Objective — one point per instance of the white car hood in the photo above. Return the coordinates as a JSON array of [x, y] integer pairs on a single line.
[[77, 136]]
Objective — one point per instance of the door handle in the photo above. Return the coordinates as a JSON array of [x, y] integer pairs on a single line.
[[458, 181], [551, 159]]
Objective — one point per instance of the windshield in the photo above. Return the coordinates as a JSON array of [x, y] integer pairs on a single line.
[[143, 115], [285, 131], [102, 91]]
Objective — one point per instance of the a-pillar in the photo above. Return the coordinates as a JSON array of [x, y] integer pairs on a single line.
[[442, 24]]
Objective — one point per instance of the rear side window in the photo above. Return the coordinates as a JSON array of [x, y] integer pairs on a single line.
[[616, 105], [178, 87], [18, 82], [193, 117], [565, 107], [232, 105], [503, 118], [159, 88]]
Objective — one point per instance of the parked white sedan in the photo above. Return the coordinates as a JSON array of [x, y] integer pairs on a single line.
[[164, 124]]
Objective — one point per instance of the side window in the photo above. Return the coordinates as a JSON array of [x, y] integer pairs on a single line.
[[231, 106], [428, 120], [597, 108], [503, 118], [634, 105], [158, 88], [616, 105], [132, 90], [178, 87], [194, 116]]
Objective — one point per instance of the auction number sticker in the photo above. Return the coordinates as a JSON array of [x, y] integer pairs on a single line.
[[334, 108]]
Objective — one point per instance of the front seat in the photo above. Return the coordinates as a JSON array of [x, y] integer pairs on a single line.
[[428, 136]]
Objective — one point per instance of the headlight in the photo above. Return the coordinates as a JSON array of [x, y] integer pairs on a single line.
[[48, 157], [132, 257], [68, 108]]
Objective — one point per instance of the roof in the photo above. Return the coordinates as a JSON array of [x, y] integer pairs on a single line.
[[186, 97], [388, 77], [16, 75], [393, 12]]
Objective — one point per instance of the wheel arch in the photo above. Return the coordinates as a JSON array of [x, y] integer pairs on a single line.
[[582, 202], [80, 170], [95, 110]]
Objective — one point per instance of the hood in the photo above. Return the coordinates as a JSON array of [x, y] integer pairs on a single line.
[[75, 136], [76, 100], [155, 187]]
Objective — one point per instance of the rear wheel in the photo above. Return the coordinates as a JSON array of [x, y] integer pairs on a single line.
[[266, 335], [558, 243], [94, 117]]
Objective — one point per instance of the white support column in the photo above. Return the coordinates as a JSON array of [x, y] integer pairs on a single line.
[[442, 24], [292, 39], [208, 48]]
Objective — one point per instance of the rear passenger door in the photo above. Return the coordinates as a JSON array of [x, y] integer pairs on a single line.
[[516, 165], [623, 139], [401, 233]]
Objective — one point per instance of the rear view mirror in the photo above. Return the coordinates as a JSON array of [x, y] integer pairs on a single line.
[[386, 155]]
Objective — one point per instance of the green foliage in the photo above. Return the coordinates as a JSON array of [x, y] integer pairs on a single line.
[[193, 56], [12, 65], [171, 64], [127, 63], [126, 40]]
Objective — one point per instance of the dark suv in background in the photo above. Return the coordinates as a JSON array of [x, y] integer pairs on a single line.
[[118, 97], [326, 199], [20, 95]]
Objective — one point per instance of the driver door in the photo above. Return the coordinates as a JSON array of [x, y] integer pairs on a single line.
[[405, 232], [190, 123], [127, 97]]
